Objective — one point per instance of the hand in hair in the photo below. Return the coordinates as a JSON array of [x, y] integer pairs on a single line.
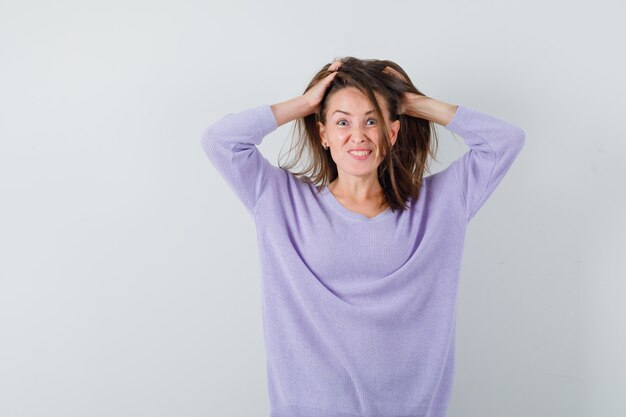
[[393, 72], [316, 93], [411, 102], [307, 103]]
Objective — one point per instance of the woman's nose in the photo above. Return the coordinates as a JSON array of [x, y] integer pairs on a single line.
[[357, 135]]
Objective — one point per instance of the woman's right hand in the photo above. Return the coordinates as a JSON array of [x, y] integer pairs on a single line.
[[316, 93], [304, 104]]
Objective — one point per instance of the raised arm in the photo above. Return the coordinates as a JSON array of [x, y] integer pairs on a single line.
[[230, 144], [494, 145], [289, 110]]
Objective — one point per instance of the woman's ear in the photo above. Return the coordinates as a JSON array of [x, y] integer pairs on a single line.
[[395, 128], [322, 131]]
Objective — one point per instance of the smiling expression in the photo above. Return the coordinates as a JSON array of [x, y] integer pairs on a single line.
[[352, 132]]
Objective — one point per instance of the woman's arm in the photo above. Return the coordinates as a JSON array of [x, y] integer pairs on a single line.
[[431, 109], [494, 145], [292, 109], [231, 142]]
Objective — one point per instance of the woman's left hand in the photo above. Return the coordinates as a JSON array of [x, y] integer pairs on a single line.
[[411, 102]]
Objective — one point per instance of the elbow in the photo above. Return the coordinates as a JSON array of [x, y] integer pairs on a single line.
[[208, 142], [519, 138], [206, 135], [211, 135]]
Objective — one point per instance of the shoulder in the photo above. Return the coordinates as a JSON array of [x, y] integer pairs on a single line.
[[283, 186], [440, 186], [282, 177], [443, 178]]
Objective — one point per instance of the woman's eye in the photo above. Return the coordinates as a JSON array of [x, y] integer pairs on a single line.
[[341, 121]]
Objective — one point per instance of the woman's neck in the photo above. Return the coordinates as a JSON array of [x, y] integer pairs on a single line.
[[358, 192]]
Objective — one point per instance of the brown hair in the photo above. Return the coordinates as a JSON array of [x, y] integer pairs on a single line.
[[402, 168]]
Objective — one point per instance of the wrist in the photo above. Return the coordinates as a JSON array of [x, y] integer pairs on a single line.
[[422, 105], [305, 105], [433, 110], [291, 109]]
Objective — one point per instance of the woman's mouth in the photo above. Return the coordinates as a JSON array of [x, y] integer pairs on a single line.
[[360, 155]]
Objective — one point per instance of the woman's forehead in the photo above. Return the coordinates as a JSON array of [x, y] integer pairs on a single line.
[[351, 101]]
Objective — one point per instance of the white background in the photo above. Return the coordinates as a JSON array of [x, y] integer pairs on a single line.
[[129, 275]]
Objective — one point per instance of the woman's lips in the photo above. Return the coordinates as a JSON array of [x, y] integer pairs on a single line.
[[359, 156]]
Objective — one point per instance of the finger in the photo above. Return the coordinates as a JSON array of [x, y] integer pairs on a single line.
[[335, 65], [329, 78], [393, 72], [325, 82]]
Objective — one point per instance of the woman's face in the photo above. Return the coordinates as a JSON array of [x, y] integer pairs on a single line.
[[351, 125]]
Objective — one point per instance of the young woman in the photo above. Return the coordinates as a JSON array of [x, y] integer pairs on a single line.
[[360, 252]]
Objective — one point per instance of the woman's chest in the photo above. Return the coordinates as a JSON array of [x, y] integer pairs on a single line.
[[344, 250]]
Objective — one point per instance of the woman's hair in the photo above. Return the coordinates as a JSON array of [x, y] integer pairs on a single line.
[[402, 168]]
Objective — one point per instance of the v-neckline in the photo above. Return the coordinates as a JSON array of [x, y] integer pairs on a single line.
[[329, 197]]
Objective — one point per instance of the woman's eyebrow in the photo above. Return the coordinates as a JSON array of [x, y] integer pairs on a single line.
[[345, 112]]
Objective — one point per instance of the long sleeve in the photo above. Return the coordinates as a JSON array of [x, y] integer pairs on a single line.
[[494, 145], [230, 144]]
